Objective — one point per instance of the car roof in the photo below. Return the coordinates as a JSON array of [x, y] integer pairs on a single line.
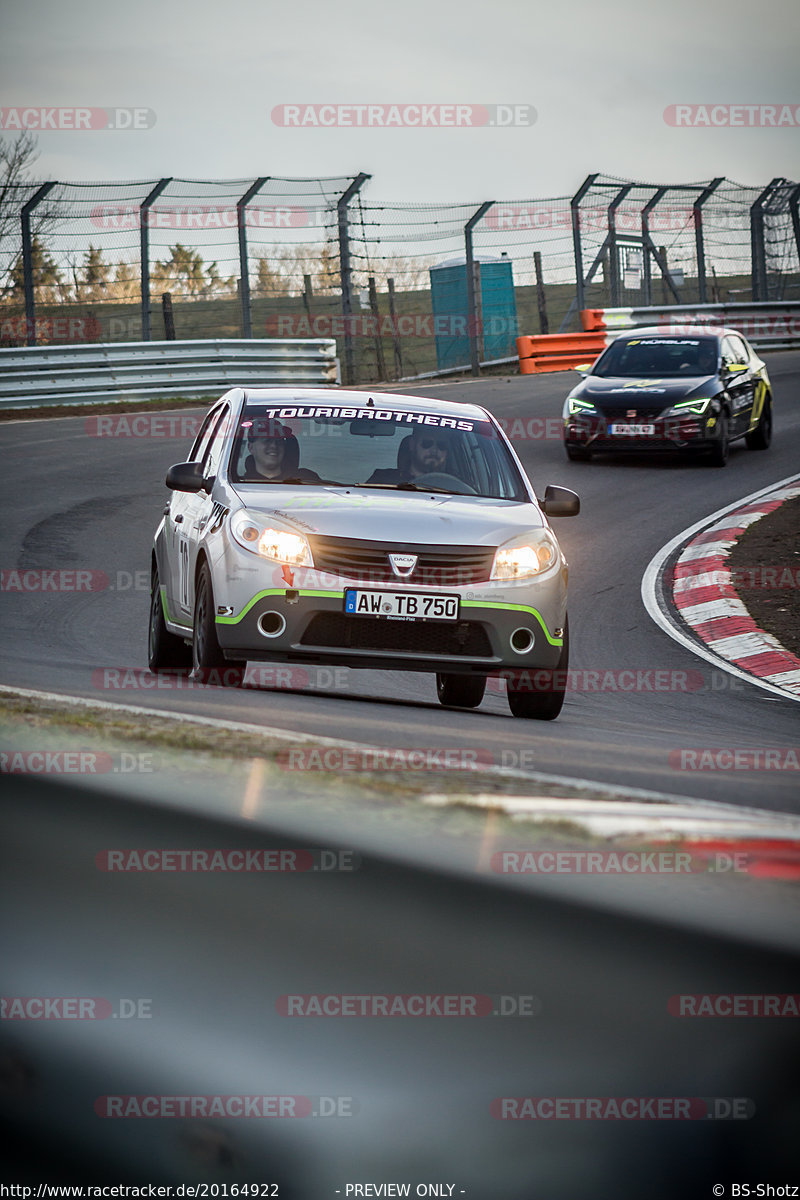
[[345, 398], [678, 333]]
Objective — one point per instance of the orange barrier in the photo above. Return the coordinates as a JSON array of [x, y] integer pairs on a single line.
[[593, 319], [558, 351]]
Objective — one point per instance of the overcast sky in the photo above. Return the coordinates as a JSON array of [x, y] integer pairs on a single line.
[[600, 76]]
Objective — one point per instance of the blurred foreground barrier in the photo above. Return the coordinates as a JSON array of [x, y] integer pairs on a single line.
[[558, 351], [41, 375], [768, 326]]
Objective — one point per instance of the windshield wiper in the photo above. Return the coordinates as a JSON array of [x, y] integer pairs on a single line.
[[406, 486]]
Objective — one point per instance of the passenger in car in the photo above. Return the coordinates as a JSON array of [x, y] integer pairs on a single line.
[[275, 455]]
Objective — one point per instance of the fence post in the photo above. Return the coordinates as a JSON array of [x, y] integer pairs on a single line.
[[544, 326], [758, 256], [27, 260], [793, 198], [472, 315], [647, 245], [613, 254], [244, 272], [575, 213], [345, 273], [308, 296], [398, 349], [144, 252], [169, 319], [697, 210], [373, 304]]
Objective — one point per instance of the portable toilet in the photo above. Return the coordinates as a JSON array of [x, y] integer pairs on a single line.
[[450, 310]]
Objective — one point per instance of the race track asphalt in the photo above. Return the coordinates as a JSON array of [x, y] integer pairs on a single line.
[[74, 500]]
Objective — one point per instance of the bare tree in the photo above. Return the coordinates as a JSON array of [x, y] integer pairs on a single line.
[[17, 157]]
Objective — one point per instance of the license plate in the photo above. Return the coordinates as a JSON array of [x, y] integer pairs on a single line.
[[411, 606], [632, 430]]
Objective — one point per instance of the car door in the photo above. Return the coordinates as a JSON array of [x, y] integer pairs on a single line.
[[181, 517], [739, 382]]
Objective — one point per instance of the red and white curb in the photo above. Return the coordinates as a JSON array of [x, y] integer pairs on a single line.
[[702, 591]]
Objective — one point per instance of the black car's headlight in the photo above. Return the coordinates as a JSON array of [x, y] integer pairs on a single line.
[[686, 408], [279, 545], [576, 405]]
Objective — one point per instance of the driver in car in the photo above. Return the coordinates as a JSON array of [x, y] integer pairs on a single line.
[[427, 452]]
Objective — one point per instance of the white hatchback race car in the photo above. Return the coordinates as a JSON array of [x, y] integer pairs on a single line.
[[312, 526]]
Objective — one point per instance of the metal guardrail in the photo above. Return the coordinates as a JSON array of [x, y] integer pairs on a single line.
[[91, 374], [768, 325]]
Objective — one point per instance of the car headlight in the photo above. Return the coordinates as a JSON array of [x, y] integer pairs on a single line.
[[276, 544], [695, 407], [576, 405], [524, 560]]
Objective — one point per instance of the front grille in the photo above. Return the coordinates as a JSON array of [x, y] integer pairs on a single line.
[[641, 412], [437, 566], [340, 631]]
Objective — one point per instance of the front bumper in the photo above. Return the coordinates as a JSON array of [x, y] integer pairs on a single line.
[[309, 625], [669, 433]]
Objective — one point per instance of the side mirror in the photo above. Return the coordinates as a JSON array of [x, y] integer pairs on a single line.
[[583, 369], [560, 502], [186, 477]]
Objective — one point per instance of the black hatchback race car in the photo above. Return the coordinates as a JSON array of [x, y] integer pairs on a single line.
[[657, 389]]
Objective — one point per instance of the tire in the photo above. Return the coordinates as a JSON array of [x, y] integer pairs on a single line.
[[545, 703], [209, 664], [719, 453], [761, 436], [576, 454], [165, 651], [460, 691]]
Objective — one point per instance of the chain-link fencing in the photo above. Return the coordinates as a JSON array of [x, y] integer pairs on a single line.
[[405, 288]]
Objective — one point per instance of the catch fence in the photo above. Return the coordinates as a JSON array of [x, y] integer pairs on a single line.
[[404, 288]]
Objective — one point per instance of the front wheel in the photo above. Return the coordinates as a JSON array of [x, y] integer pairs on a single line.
[[165, 651], [460, 691], [539, 695], [209, 664], [761, 436], [719, 453], [576, 454]]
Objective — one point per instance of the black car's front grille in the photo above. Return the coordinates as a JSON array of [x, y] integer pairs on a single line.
[[631, 413], [437, 566], [339, 631]]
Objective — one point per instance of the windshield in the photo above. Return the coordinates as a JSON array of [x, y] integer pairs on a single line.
[[373, 448], [658, 356]]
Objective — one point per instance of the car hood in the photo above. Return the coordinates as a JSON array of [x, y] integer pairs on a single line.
[[393, 516], [649, 391]]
